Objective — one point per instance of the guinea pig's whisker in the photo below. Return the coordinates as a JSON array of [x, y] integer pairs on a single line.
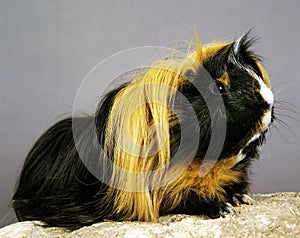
[[285, 103], [280, 133], [282, 123], [288, 116], [282, 85]]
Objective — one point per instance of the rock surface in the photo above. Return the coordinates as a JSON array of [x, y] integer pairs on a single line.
[[272, 215]]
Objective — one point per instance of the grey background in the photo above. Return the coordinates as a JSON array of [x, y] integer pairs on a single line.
[[47, 47]]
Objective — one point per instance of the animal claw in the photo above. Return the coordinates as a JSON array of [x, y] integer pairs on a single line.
[[239, 199]]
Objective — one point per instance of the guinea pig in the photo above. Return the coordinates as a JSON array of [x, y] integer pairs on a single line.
[[176, 137]]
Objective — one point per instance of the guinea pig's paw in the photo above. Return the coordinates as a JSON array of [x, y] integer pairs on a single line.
[[226, 208], [221, 210], [239, 199]]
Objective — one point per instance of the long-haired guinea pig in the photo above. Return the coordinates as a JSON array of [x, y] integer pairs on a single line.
[[176, 137]]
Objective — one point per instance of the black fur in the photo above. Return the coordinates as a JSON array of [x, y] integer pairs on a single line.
[[56, 187]]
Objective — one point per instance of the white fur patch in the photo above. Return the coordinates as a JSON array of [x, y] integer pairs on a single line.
[[240, 156], [266, 120], [266, 92], [255, 137], [237, 45]]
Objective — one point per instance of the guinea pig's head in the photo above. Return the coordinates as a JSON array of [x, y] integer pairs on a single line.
[[245, 89]]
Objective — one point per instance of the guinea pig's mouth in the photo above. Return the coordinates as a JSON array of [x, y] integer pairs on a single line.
[[263, 127]]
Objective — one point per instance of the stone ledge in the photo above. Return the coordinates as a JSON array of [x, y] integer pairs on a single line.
[[272, 215]]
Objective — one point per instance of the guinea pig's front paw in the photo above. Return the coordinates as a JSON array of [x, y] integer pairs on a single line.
[[220, 210], [239, 199]]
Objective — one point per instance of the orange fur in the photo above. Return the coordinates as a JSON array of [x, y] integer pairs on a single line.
[[207, 185], [138, 198], [203, 52], [225, 79]]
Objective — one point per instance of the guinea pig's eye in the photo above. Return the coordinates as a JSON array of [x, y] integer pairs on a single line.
[[218, 88]]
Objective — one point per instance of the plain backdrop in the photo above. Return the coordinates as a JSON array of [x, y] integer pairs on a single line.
[[47, 48]]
